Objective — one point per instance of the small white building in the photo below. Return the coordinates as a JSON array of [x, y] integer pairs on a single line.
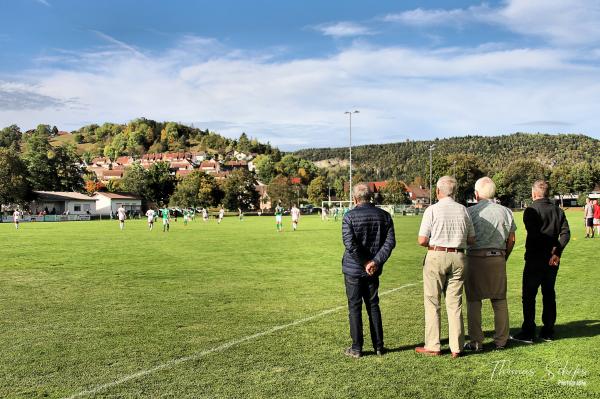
[[59, 202], [109, 203]]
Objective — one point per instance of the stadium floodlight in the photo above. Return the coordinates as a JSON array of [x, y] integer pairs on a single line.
[[431, 148], [349, 113]]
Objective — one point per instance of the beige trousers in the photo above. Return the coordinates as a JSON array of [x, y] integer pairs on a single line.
[[486, 278], [443, 274], [501, 324]]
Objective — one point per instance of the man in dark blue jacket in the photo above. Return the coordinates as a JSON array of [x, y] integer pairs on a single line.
[[368, 235]]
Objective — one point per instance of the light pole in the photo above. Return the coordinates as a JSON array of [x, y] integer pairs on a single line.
[[349, 113], [431, 148]]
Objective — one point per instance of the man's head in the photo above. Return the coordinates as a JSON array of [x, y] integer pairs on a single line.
[[485, 188], [445, 187], [540, 189], [361, 193]]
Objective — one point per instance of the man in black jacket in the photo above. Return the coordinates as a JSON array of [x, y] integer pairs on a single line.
[[368, 235], [547, 236]]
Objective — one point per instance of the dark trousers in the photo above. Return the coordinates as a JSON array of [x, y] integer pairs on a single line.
[[359, 290], [534, 276]]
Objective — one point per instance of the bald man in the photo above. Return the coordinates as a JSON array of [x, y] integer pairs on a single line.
[[486, 275]]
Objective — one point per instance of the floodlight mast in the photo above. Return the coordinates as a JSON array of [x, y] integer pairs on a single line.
[[431, 148], [349, 113]]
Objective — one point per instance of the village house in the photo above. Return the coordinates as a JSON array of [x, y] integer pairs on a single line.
[[108, 203]]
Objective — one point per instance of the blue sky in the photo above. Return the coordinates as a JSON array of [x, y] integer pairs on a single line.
[[285, 71]]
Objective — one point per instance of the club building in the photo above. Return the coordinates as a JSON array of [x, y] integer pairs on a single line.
[[58, 203], [108, 203]]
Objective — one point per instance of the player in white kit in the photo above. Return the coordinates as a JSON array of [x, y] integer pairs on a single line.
[[122, 215], [16, 218], [295, 213], [150, 215], [221, 214]]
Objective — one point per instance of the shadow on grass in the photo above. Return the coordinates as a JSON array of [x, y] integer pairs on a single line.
[[578, 329]]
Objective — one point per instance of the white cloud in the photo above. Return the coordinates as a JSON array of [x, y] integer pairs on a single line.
[[436, 17], [343, 29], [564, 22], [401, 92], [44, 2]]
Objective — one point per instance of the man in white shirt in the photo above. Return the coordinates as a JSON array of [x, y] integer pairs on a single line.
[[221, 214], [295, 213], [121, 213], [16, 217], [150, 215], [204, 214], [445, 231]]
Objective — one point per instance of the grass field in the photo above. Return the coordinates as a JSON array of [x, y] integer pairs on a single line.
[[227, 311]]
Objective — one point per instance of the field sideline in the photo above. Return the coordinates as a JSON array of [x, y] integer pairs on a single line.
[[237, 310]]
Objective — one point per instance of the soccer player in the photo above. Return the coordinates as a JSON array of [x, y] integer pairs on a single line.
[[278, 217], [186, 217], [295, 212], [122, 215], [204, 214], [150, 215], [241, 214], [165, 218], [221, 214], [16, 217], [324, 214]]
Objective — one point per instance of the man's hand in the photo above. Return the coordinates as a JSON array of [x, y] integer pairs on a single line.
[[554, 261], [371, 267]]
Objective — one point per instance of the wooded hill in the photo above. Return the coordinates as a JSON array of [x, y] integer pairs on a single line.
[[410, 159]]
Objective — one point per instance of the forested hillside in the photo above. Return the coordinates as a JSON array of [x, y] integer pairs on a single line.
[[410, 159]]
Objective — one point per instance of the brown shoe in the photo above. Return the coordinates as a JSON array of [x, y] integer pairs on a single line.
[[456, 355], [424, 351]]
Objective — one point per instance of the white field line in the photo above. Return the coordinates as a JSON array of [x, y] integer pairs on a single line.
[[220, 348]]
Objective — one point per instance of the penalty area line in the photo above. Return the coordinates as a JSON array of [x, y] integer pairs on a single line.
[[219, 348]]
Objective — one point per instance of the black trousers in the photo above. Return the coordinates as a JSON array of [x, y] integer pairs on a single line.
[[359, 290], [534, 276]]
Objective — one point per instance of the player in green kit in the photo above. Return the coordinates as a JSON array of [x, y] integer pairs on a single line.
[[165, 218], [278, 217]]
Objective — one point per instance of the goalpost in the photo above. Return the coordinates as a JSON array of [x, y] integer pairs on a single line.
[[334, 209], [337, 204]]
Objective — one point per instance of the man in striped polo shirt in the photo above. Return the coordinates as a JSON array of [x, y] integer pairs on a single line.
[[486, 275], [446, 229]]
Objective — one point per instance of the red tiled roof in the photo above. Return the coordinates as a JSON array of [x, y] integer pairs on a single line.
[[418, 192], [236, 163], [184, 172], [180, 164], [124, 160], [208, 164], [113, 173]]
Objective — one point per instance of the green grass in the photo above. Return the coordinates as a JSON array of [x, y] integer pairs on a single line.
[[83, 304]]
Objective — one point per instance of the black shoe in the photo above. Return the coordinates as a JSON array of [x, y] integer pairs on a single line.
[[521, 337], [352, 353], [499, 348], [380, 351], [473, 346], [548, 337]]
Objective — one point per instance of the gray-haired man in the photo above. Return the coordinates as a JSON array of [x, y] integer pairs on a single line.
[[445, 230], [486, 275], [368, 235]]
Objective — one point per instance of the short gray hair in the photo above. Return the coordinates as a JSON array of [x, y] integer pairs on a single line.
[[541, 188], [485, 187], [447, 185], [362, 192]]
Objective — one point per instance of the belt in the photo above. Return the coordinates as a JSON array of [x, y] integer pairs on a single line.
[[487, 252], [444, 249]]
